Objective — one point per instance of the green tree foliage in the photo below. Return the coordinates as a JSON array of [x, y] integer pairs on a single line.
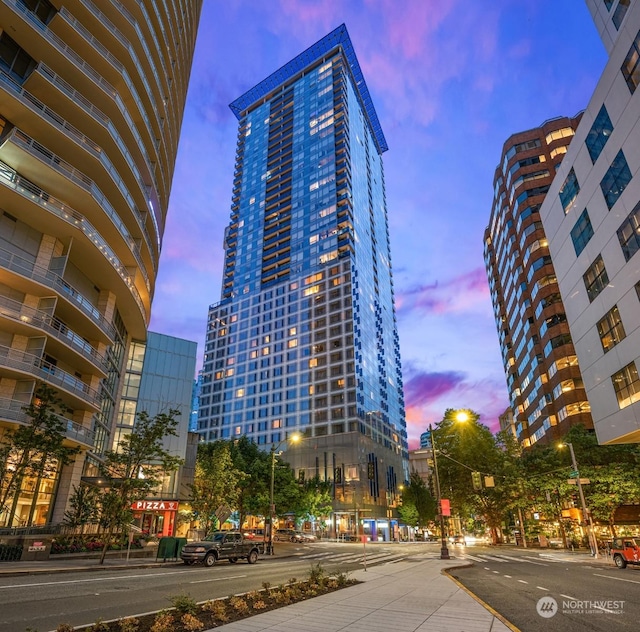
[[83, 507], [468, 446], [418, 505], [135, 469], [316, 497], [217, 482], [33, 450]]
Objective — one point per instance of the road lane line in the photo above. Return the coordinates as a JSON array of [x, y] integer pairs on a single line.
[[216, 579], [522, 581], [95, 579], [620, 579], [509, 576], [569, 597], [496, 572], [542, 588], [486, 568]]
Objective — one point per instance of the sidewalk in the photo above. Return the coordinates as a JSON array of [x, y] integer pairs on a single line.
[[408, 596]]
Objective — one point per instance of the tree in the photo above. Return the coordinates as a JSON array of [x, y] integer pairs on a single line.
[[34, 450], [316, 497], [134, 469], [83, 507], [418, 505], [217, 482]]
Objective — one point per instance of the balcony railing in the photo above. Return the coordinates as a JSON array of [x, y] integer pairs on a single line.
[[12, 410], [54, 327], [29, 190], [47, 372], [54, 281]]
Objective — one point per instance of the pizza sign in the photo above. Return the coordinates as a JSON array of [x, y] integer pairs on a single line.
[[155, 505]]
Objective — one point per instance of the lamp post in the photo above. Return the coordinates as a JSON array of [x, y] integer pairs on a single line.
[[444, 550], [294, 438], [586, 516]]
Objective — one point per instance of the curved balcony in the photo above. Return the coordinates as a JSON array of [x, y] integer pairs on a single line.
[[10, 179], [55, 282], [11, 410], [22, 363], [29, 317]]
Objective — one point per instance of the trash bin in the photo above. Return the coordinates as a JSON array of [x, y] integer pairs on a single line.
[[166, 549], [180, 542]]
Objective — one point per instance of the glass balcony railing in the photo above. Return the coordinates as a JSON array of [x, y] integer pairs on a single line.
[[50, 279], [53, 326], [12, 410], [47, 372], [28, 189]]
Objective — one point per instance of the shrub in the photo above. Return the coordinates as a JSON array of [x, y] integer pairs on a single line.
[[239, 605], [64, 627], [99, 626], [258, 604], [184, 604], [317, 574], [163, 622], [191, 623], [217, 608], [130, 624]]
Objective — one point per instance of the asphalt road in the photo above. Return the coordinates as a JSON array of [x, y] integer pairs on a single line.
[[43, 601], [552, 594]]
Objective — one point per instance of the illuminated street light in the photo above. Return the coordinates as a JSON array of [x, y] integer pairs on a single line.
[[294, 438], [586, 516]]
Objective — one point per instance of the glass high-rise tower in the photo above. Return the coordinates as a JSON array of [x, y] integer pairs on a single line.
[[304, 337]]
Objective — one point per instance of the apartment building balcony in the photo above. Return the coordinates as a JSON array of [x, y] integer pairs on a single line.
[[66, 344], [12, 413], [18, 365]]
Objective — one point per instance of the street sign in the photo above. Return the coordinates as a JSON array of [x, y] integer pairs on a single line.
[[445, 507], [573, 474], [574, 481]]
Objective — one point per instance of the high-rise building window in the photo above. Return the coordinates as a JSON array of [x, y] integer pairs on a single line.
[[611, 329], [595, 278], [569, 190], [619, 13], [629, 233], [608, 4], [582, 232], [599, 134], [631, 65], [626, 385], [615, 180]]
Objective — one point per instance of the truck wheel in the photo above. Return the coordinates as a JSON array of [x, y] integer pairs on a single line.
[[620, 562], [252, 558], [233, 560], [209, 560]]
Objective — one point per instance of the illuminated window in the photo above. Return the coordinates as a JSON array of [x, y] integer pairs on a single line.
[[626, 385], [292, 343], [565, 132], [240, 392], [611, 329], [631, 66], [569, 190]]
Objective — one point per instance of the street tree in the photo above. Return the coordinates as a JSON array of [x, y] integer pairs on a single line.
[[316, 497], [34, 450], [83, 507], [217, 482], [135, 469], [418, 504]]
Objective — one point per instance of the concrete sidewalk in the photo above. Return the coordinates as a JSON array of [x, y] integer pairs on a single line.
[[408, 596]]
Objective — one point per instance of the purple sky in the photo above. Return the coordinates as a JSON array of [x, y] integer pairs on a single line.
[[451, 80]]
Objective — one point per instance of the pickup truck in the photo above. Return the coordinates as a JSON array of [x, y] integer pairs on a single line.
[[625, 551], [220, 545]]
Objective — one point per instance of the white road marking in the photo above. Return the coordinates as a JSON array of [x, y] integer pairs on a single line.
[[216, 579], [509, 576], [542, 588], [620, 579], [522, 581], [496, 572], [486, 568], [569, 597], [475, 559]]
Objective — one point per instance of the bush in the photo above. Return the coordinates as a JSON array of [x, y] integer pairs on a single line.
[[163, 622], [191, 623], [184, 604], [130, 624]]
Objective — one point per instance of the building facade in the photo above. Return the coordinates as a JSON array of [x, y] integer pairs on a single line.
[[304, 337], [592, 217], [91, 102], [545, 386]]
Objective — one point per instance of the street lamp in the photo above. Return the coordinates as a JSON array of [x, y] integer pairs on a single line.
[[460, 416], [294, 438], [586, 516]]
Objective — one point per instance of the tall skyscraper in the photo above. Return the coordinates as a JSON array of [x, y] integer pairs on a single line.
[[592, 218], [304, 337], [91, 102], [543, 377]]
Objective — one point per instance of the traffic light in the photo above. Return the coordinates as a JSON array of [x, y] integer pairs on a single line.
[[337, 475], [476, 479], [371, 470]]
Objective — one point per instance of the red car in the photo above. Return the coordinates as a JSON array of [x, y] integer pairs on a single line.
[[625, 551]]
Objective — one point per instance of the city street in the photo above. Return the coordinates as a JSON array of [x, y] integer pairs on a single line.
[[42, 601], [589, 595]]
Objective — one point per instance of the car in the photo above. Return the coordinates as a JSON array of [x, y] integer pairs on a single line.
[[305, 536], [458, 539], [220, 545], [287, 535], [625, 551]]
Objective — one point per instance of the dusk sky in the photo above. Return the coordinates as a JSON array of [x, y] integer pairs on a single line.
[[451, 80]]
